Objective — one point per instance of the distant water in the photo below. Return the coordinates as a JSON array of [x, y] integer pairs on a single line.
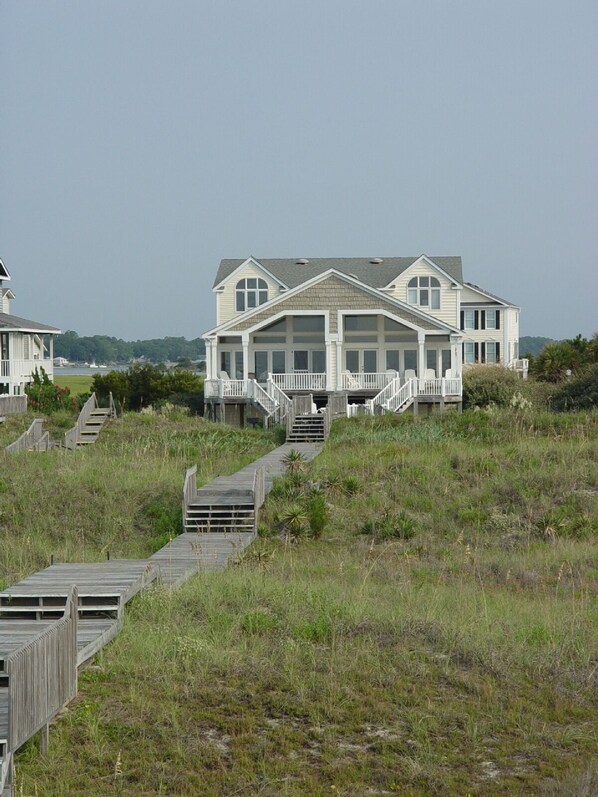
[[72, 370]]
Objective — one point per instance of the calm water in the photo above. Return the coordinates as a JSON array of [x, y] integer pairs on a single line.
[[69, 370]]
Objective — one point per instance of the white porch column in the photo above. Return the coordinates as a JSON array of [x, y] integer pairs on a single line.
[[421, 355], [339, 364], [245, 342], [208, 359], [456, 358], [329, 365], [213, 343]]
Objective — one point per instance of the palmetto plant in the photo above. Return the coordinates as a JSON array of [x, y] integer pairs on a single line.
[[294, 461]]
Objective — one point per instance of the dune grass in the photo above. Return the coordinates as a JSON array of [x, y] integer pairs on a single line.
[[120, 496], [458, 659]]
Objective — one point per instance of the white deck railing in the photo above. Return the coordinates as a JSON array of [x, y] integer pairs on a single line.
[[300, 381], [350, 381], [394, 395], [23, 369], [283, 402]]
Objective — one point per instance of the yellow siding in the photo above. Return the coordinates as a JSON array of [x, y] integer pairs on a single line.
[[448, 296], [225, 301], [467, 295]]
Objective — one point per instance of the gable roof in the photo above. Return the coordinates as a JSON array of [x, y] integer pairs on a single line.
[[310, 296], [377, 275], [13, 323], [484, 292], [4, 275], [259, 264]]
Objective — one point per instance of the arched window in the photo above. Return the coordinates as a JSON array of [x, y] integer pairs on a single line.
[[251, 292], [424, 292]]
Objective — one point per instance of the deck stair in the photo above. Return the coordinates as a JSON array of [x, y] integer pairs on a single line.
[[307, 429], [90, 423]]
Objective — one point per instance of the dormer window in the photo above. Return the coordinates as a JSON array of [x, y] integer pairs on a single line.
[[250, 292], [424, 292]]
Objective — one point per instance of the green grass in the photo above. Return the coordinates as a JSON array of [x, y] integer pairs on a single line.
[[77, 383], [460, 661], [120, 496]]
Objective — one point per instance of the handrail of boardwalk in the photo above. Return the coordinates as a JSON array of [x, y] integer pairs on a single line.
[[189, 489], [71, 437], [42, 676], [259, 491], [34, 437]]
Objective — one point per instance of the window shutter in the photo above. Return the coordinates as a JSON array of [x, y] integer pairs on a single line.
[[476, 351], [483, 319], [483, 353], [476, 323], [462, 319], [498, 319], [497, 350]]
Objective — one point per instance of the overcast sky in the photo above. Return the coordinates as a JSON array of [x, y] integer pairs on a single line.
[[143, 141]]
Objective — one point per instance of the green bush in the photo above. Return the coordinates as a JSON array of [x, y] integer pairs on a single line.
[[580, 393], [144, 385], [488, 384], [47, 397], [390, 525]]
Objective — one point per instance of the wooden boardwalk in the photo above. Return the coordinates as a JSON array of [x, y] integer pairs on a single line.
[[33, 613]]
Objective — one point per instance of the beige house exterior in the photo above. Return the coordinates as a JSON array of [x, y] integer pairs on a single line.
[[24, 345], [351, 325]]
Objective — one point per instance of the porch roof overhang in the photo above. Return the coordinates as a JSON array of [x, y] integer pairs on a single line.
[[283, 305], [12, 323]]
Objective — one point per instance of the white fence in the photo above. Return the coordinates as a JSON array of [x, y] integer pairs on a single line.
[[300, 381], [350, 381]]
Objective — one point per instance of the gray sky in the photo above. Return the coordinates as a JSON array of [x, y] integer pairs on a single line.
[[143, 141]]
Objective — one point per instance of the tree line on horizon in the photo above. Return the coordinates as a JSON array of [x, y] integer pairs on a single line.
[[105, 349]]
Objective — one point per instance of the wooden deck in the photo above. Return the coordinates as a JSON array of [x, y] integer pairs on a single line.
[[32, 609]]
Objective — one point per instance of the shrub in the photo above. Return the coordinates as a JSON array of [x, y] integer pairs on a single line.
[[144, 385], [398, 525], [580, 393], [47, 397], [489, 384], [317, 513]]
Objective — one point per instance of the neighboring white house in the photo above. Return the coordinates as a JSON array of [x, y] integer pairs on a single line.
[[351, 325], [24, 345]]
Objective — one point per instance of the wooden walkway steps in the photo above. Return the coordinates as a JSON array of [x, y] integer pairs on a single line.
[[90, 423], [53, 621], [231, 503], [190, 553]]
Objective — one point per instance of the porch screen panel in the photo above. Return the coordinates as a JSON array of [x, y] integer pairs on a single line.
[[300, 360], [431, 359], [238, 365], [352, 361], [261, 366], [225, 361], [393, 360], [278, 362], [318, 362], [446, 361], [411, 360], [370, 361]]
